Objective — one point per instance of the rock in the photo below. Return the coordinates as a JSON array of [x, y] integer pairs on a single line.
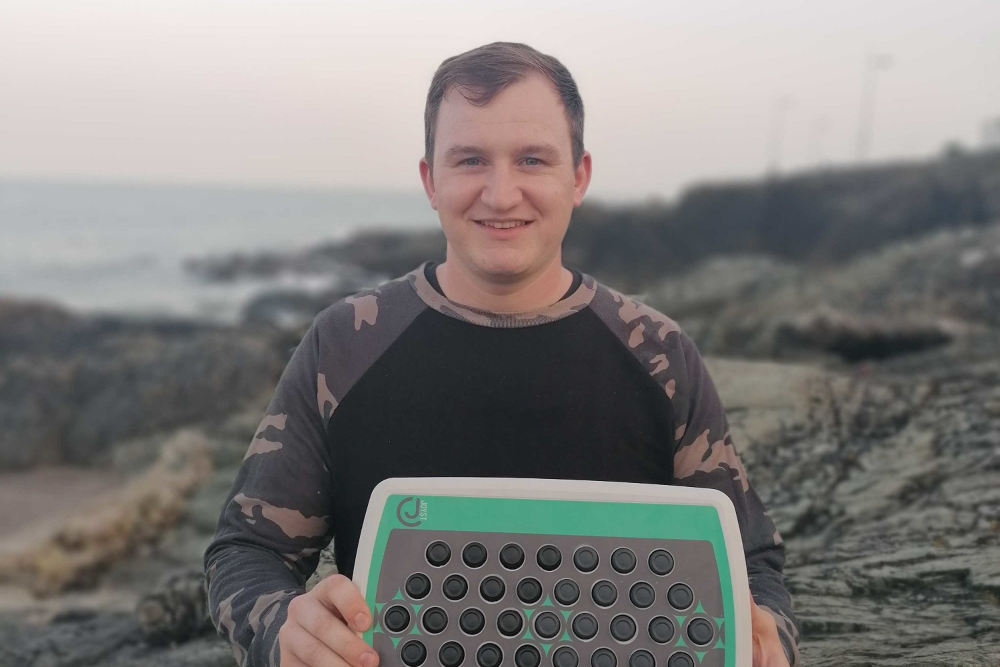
[[70, 386], [177, 611], [882, 482], [909, 297], [90, 542]]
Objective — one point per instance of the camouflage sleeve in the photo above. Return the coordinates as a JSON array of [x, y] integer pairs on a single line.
[[276, 518], [706, 457]]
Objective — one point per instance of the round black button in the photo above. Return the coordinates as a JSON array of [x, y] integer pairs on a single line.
[[605, 593], [567, 592], [451, 654], [547, 625], [396, 618], [413, 653], [585, 626], [565, 657], [680, 659], [623, 560], [700, 631], [661, 630], [585, 559], [680, 596], [622, 628], [509, 622], [548, 557], [604, 657], [472, 621], [642, 595], [492, 588], [489, 655], [455, 587], [418, 586], [512, 556], [438, 553], [641, 658], [474, 554], [529, 590], [435, 620], [661, 562], [527, 656]]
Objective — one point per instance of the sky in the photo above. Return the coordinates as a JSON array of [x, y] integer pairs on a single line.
[[331, 93]]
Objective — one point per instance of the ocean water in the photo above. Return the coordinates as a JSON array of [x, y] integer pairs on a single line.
[[119, 248]]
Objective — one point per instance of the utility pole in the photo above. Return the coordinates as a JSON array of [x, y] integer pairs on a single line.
[[779, 112], [991, 133], [875, 63], [819, 128]]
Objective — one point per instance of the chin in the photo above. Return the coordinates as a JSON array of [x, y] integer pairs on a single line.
[[508, 267]]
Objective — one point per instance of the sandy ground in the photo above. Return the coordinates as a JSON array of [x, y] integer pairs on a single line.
[[36, 501]]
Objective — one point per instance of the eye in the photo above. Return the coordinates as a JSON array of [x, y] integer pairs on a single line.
[[535, 159], [466, 161]]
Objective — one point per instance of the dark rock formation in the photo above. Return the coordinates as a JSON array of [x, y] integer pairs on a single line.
[[177, 611], [902, 299], [72, 385], [821, 217]]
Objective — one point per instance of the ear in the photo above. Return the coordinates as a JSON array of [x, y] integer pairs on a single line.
[[581, 180], [427, 178]]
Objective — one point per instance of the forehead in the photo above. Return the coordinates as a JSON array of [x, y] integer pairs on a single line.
[[527, 111]]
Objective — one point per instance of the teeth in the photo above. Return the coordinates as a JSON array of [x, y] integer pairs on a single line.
[[502, 225]]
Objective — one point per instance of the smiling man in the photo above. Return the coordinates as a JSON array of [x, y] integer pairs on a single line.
[[499, 362]]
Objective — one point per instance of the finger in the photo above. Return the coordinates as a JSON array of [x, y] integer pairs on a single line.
[[343, 596], [309, 650], [288, 659], [321, 624]]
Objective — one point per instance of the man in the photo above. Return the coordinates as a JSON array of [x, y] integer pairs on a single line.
[[500, 362]]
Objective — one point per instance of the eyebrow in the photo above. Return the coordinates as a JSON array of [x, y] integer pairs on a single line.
[[543, 149]]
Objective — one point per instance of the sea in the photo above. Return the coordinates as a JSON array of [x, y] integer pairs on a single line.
[[120, 248]]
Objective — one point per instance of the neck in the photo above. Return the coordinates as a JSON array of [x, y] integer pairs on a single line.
[[517, 295]]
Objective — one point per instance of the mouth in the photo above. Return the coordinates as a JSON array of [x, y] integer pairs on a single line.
[[506, 224]]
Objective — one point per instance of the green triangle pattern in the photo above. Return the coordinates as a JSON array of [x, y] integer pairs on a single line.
[[395, 641], [700, 654], [699, 609], [399, 594], [377, 628], [680, 619], [718, 621], [546, 648], [565, 637], [680, 642], [527, 635], [548, 602], [566, 613], [378, 606], [415, 630], [528, 613], [416, 607], [719, 644]]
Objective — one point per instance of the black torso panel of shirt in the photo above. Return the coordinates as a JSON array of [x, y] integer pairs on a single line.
[[562, 400]]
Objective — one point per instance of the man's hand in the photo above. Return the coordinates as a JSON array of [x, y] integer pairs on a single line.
[[767, 650], [319, 630]]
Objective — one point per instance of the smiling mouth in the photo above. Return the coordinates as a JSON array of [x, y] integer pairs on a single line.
[[504, 225]]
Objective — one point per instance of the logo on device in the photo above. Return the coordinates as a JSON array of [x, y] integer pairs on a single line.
[[411, 519]]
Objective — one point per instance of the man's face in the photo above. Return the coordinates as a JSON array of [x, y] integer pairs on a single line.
[[510, 160]]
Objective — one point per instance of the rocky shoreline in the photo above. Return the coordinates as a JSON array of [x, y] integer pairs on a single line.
[[863, 396]]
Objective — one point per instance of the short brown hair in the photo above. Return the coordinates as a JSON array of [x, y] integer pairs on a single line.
[[480, 75]]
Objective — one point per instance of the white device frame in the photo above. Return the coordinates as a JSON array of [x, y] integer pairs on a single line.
[[562, 489]]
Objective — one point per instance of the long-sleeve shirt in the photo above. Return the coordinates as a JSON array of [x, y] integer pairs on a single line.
[[400, 381]]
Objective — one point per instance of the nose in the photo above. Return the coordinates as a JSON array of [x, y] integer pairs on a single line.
[[502, 192]]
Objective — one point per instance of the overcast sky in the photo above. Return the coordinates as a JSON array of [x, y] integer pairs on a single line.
[[331, 93]]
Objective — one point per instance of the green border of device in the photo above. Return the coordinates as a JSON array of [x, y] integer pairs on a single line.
[[608, 518]]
